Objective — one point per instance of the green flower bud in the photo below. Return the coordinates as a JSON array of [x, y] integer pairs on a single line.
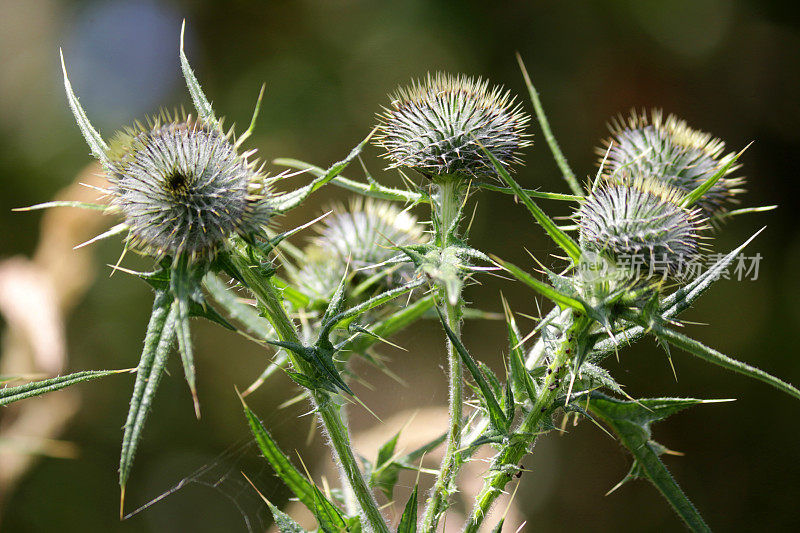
[[362, 237], [674, 153], [438, 127], [183, 188], [640, 222]]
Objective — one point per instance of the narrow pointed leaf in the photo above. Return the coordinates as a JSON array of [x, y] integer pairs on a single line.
[[675, 303], [236, 309], [679, 340], [9, 395], [542, 288], [558, 155], [343, 319], [292, 199], [630, 421], [321, 361], [518, 374], [329, 517], [300, 486], [509, 402], [532, 193], [96, 143], [157, 342], [704, 187], [181, 288], [392, 324], [65, 203], [496, 414], [373, 190], [559, 237], [385, 474], [204, 110], [283, 521], [408, 521]]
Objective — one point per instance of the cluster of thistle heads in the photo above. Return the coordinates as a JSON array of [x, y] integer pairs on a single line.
[[447, 126], [184, 187]]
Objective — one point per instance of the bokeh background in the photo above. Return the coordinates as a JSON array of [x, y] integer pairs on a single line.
[[729, 67]]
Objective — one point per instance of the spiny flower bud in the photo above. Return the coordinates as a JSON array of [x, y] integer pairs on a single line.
[[361, 237], [183, 188], [438, 127], [674, 153], [641, 222]]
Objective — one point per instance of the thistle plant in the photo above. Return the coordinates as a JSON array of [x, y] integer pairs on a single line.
[[205, 211]]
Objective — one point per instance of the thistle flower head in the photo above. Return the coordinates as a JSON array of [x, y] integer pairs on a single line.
[[361, 237], [440, 126], [183, 188], [669, 150], [641, 221]]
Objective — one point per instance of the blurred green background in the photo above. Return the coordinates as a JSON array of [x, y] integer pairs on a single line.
[[729, 67]]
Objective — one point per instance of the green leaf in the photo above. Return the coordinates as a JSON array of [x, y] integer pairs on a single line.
[[518, 374], [236, 309], [96, 143], [532, 193], [329, 517], [408, 520], [391, 324], [704, 187], [496, 415], [372, 189], [291, 294], [9, 395], [559, 237], [386, 452], [711, 355], [499, 527], [509, 402], [561, 161], [181, 286], [290, 200], [675, 303], [157, 342], [342, 319], [62, 203], [631, 421], [562, 300], [283, 521], [320, 357], [305, 491], [204, 110], [385, 474]]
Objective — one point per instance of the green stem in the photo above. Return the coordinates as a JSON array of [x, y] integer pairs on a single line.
[[447, 205], [326, 406], [505, 464]]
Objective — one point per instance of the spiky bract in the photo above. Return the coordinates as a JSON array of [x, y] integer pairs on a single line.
[[438, 125], [361, 237], [184, 189], [668, 149], [640, 222]]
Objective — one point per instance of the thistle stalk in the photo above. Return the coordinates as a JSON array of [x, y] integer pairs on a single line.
[[504, 465], [447, 210], [328, 409]]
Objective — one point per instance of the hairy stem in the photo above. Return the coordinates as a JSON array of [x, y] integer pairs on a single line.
[[326, 406], [447, 206], [505, 463]]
